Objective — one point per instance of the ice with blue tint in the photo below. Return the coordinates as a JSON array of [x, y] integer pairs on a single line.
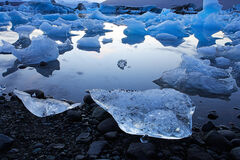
[[107, 40], [222, 62], [164, 113], [43, 107], [57, 31], [17, 18], [175, 28], [134, 27], [197, 77], [89, 43], [4, 18], [65, 47], [42, 49], [24, 30], [6, 48]]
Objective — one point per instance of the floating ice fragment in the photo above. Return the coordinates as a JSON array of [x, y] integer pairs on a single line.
[[195, 76], [222, 62], [56, 31], [42, 49], [107, 40], [43, 107], [134, 27], [6, 48], [122, 64], [156, 113], [24, 30], [89, 43]]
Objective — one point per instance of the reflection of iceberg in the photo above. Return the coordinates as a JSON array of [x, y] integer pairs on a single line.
[[157, 113], [43, 107], [122, 64], [196, 77], [46, 71], [133, 39]]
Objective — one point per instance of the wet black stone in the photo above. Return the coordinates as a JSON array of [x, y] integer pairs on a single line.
[[96, 147], [213, 115], [217, 142], [108, 125], [84, 137], [37, 93], [197, 153], [235, 153], [22, 66], [5, 142], [73, 115], [88, 99], [111, 135], [141, 151], [208, 127], [235, 143], [99, 113], [227, 134]]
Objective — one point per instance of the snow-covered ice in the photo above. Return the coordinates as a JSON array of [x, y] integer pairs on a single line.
[[43, 107], [156, 113]]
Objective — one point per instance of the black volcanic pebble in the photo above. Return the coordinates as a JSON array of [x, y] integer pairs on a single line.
[[108, 125], [235, 153], [197, 153], [208, 127], [217, 141], [227, 134], [88, 99], [141, 151], [213, 115], [38, 93], [5, 142], [74, 115], [235, 143], [96, 148]]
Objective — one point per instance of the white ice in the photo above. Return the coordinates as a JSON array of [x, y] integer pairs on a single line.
[[43, 107], [156, 113]]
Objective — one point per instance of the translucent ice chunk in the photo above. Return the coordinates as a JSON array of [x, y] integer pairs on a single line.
[[156, 113], [24, 30], [43, 107], [42, 49], [57, 31], [89, 43], [65, 47]]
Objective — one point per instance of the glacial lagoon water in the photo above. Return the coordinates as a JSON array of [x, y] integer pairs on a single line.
[[123, 64]]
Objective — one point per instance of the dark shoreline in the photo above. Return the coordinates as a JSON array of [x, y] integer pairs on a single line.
[[88, 132]]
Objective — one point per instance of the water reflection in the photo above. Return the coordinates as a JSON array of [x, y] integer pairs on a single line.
[[45, 71]]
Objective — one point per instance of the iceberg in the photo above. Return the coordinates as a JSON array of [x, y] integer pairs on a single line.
[[24, 30], [17, 18], [157, 113], [6, 48], [222, 62], [42, 49], [196, 83], [195, 76], [134, 27], [56, 31], [89, 43], [43, 107]]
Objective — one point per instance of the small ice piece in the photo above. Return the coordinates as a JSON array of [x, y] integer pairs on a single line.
[[107, 40], [2, 88], [222, 62], [89, 43], [157, 113], [122, 64], [42, 49], [56, 31], [4, 18], [98, 15], [233, 53], [24, 30], [65, 47], [43, 107], [134, 27]]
